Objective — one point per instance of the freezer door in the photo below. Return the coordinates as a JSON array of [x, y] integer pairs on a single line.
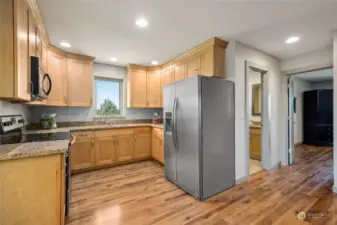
[[187, 130], [218, 135], [170, 152]]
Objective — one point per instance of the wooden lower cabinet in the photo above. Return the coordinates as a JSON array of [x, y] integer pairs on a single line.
[[158, 145], [142, 145], [255, 146], [125, 148], [32, 191], [105, 150], [82, 154]]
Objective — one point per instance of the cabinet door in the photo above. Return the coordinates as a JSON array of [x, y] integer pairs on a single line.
[[32, 36], [155, 147], [154, 90], [207, 62], [255, 144], [192, 65], [57, 71], [44, 53], [168, 75], [105, 150], [138, 88], [82, 154], [179, 70], [161, 149], [142, 145], [80, 74], [125, 145], [22, 49]]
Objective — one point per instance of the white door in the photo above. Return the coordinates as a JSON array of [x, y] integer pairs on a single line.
[[291, 121], [266, 115]]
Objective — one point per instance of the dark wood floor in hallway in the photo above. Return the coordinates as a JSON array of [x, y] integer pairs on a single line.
[[139, 194]]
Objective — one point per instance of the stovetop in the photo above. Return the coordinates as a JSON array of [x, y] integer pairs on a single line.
[[18, 137]]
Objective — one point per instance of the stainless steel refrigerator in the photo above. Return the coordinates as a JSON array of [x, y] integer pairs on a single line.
[[199, 135]]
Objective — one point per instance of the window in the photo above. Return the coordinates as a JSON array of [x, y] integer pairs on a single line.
[[108, 97]]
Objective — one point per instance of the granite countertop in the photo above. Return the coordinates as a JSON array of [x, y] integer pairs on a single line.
[[94, 127], [22, 150]]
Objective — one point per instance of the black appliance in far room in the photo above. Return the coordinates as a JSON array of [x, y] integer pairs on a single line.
[[318, 117], [12, 132], [41, 83]]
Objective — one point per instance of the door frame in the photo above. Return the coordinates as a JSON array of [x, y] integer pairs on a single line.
[[287, 75], [265, 116]]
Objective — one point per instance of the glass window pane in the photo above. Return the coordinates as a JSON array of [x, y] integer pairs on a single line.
[[107, 97]]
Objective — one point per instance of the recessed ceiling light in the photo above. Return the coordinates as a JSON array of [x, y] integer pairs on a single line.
[[114, 59], [142, 22], [154, 62], [65, 44], [292, 39]]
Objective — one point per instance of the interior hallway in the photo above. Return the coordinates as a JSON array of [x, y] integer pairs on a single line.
[[139, 194]]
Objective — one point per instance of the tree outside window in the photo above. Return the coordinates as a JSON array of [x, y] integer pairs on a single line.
[[108, 97]]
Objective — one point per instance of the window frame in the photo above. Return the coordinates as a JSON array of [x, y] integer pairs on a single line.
[[121, 89]]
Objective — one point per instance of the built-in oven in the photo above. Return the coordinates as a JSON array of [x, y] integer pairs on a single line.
[[41, 83]]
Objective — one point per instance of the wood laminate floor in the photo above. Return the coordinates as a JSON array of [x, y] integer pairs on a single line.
[[139, 194]]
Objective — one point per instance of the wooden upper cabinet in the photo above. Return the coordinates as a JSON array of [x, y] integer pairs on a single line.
[[136, 88], [80, 82], [32, 36], [192, 65], [44, 56], [168, 75], [207, 62], [179, 70], [57, 69], [154, 88]]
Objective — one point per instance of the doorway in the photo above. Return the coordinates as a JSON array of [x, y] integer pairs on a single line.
[[257, 118], [310, 110]]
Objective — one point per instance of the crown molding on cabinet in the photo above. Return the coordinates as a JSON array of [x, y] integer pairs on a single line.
[[210, 42]]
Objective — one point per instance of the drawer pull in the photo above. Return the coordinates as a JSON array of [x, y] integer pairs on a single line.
[[83, 135]]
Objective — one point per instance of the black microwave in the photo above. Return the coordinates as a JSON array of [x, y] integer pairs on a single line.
[[41, 83]]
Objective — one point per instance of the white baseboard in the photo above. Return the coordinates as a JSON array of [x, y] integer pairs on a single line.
[[242, 180], [334, 189]]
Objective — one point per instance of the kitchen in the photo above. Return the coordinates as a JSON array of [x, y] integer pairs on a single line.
[[49, 79]]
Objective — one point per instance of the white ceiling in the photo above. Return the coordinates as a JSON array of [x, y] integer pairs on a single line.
[[106, 28], [316, 76]]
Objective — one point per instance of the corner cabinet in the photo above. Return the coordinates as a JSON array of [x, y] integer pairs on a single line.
[[136, 88], [153, 89], [14, 50], [80, 82]]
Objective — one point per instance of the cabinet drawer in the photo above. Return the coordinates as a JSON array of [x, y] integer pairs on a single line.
[[113, 132], [158, 131], [141, 130], [83, 134]]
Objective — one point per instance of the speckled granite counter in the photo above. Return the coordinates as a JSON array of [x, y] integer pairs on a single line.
[[23, 150], [97, 127]]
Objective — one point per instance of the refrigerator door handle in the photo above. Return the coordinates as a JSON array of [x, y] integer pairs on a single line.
[[174, 131]]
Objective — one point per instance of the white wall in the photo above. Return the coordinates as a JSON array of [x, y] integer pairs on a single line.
[[253, 78], [335, 111], [65, 114], [8, 108], [236, 73], [322, 85], [300, 86], [313, 60]]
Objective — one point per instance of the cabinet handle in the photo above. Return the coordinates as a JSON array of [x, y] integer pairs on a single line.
[[135, 139], [92, 143], [83, 135], [117, 142]]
